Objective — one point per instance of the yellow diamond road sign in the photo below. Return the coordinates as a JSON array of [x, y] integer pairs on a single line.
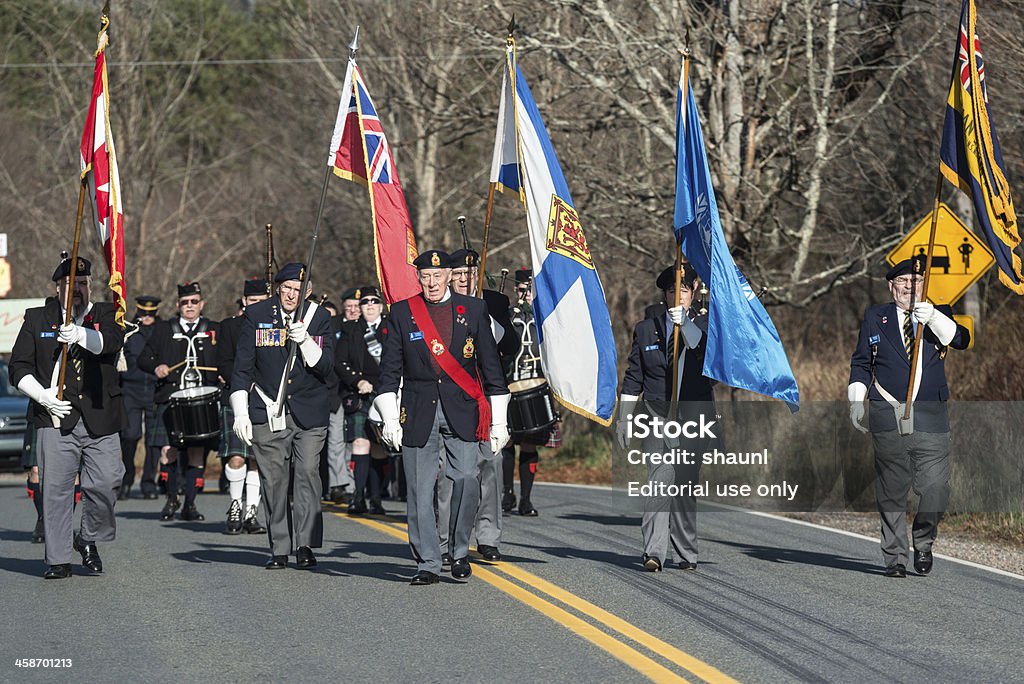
[[959, 258]]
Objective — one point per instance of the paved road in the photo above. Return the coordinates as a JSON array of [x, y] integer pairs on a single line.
[[773, 601]]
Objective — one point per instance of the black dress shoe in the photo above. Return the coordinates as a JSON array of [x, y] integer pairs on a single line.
[[446, 559], [377, 509], [923, 562], [304, 557], [276, 563], [90, 554], [57, 571], [170, 508], [896, 570], [508, 502], [461, 568], [39, 533], [526, 509], [489, 553], [357, 507], [424, 577], [651, 563], [687, 565], [149, 494], [234, 524], [251, 524], [124, 494], [190, 512]]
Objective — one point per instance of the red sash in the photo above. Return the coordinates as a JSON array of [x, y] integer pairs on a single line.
[[449, 365]]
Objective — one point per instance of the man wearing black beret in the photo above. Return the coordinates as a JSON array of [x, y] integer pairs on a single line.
[[79, 431], [453, 397], [912, 452]]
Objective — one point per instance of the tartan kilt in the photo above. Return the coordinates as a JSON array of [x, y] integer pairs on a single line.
[[230, 444]]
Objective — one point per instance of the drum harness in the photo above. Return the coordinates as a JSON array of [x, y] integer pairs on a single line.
[[190, 374]]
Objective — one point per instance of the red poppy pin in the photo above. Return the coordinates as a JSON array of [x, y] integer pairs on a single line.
[[460, 309]]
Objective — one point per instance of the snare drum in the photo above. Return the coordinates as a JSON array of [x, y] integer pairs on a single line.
[[531, 412], [193, 415]]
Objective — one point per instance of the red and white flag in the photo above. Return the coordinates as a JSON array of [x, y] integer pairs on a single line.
[[99, 168], [360, 151]]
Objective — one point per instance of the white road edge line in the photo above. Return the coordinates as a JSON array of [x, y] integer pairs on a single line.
[[855, 535]]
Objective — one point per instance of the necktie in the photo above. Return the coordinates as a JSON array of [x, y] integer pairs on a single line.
[[372, 345], [908, 335]]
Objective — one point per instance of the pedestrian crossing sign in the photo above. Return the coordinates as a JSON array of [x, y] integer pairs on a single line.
[[959, 257]]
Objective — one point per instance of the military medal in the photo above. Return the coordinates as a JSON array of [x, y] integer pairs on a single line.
[[468, 350], [401, 418], [436, 347]]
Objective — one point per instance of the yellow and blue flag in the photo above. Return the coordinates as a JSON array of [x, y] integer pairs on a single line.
[[743, 346], [574, 327], [970, 157]]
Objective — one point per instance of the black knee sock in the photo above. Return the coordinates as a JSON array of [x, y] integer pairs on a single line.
[[35, 492], [361, 474], [508, 469], [527, 469], [128, 458], [378, 475], [193, 483], [169, 475]]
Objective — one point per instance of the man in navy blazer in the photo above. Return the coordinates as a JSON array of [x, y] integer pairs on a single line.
[[912, 452], [288, 444]]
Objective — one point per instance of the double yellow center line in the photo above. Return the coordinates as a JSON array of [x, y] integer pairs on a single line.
[[615, 643]]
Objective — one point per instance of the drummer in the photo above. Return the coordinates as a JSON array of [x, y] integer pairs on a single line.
[[164, 356], [465, 272], [527, 366]]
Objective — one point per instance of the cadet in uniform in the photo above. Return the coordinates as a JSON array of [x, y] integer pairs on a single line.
[[164, 356], [79, 432], [240, 469], [649, 373], [358, 367], [292, 442], [915, 453], [344, 403], [137, 389], [454, 396]]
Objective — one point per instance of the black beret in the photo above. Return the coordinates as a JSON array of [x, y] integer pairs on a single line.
[[254, 287], [189, 289], [465, 257], [64, 269], [667, 278], [368, 291], [433, 258], [350, 293], [906, 267], [291, 271], [147, 303], [523, 275]]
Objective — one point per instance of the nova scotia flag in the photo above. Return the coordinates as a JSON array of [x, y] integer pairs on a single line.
[[573, 325]]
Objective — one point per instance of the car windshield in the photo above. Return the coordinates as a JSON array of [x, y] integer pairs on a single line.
[[5, 388]]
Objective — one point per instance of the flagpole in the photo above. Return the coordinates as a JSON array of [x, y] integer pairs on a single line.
[[304, 283], [683, 112], [69, 295]]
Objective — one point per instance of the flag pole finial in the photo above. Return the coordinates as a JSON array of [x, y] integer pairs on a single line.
[[512, 26], [353, 47]]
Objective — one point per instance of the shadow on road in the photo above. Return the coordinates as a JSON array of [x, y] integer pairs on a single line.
[[774, 554], [619, 520]]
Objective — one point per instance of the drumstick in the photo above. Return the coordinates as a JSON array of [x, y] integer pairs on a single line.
[[171, 369]]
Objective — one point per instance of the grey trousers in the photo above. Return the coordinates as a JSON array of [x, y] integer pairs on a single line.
[[422, 468], [921, 461], [296, 452], [670, 520], [61, 458], [488, 515], [339, 453]]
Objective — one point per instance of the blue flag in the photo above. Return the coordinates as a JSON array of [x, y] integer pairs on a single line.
[[743, 347]]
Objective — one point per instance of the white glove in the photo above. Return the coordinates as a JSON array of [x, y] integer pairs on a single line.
[[243, 424], [387, 407], [857, 414], [297, 332], [499, 421], [676, 315], [47, 397], [924, 312], [71, 334], [626, 402]]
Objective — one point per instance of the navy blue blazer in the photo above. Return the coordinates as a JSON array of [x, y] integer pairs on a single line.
[[648, 371], [881, 357], [407, 356], [260, 358]]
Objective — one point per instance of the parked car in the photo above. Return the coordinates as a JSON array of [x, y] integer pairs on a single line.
[[13, 422]]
